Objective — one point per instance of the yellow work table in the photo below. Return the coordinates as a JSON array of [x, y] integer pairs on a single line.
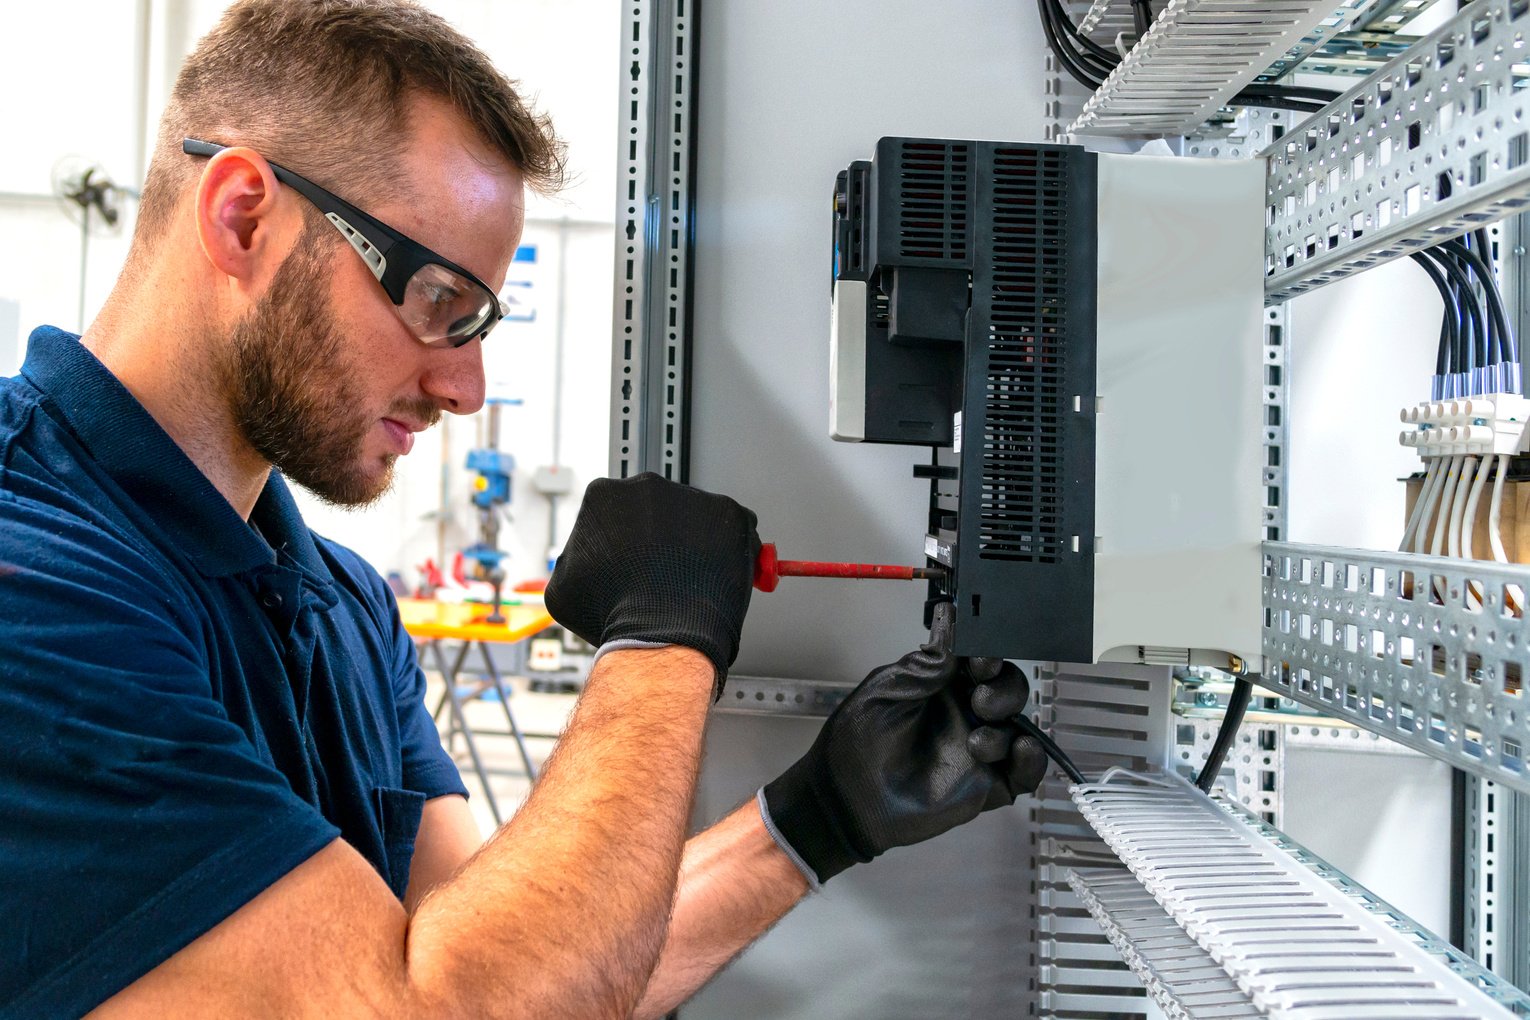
[[434, 627]]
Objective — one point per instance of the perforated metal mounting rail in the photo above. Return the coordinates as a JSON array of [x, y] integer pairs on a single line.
[[1431, 145], [1298, 944], [651, 314], [1346, 42], [1190, 63], [1428, 651]]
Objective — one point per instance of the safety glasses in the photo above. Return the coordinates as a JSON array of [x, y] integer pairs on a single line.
[[443, 304]]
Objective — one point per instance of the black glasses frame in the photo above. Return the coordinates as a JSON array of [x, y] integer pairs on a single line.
[[392, 256]]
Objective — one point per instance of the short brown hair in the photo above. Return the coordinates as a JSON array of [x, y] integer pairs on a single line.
[[322, 86]]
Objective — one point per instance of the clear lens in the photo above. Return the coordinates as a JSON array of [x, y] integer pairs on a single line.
[[442, 307]]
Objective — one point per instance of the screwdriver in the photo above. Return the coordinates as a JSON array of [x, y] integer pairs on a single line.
[[769, 569]]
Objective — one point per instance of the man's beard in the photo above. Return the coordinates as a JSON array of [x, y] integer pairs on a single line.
[[293, 391]]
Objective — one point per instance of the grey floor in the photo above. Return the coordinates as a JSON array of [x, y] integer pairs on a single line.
[[535, 712]]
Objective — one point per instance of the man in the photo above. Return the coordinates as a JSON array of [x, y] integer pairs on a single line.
[[220, 794]]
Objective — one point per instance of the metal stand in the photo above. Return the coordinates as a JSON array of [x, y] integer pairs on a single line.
[[457, 697]]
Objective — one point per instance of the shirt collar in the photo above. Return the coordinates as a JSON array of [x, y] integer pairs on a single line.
[[140, 456]]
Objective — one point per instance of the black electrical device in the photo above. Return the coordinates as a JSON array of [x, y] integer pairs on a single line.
[[973, 269], [1079, 340], [964, 320]]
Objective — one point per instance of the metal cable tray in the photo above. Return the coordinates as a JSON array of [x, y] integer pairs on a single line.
[[1301, 945], [1197, 54], [1429, 651], [1182, 978]]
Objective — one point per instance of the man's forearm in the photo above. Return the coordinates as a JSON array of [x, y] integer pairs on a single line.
[[565, 909], [734, 884]]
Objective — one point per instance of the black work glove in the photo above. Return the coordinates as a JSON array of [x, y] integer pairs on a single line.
[[921, 746], [652, 562]]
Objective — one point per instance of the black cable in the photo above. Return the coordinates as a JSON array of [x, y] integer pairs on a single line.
[[1107, 57], [1048, 745], [1475, 338], [1237, 705], [1490, 340], [1065, 56], [1316, 95], [1089, 63], [1089, 47], [1486, 247], [1275, 103], [1095, 58], [1494, 296], [1450, 322]]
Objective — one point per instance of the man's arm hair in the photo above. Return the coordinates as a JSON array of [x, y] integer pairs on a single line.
[[735, 882], [561, 914]]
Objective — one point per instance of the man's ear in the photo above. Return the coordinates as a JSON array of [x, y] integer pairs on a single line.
[[239, 228]]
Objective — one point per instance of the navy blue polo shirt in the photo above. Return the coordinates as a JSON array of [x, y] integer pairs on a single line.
[[189, 707]]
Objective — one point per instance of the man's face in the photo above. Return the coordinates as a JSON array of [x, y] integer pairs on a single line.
[[298, 389], [323, 379]]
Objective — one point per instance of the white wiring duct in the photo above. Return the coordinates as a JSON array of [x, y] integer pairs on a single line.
[[1458, 504]]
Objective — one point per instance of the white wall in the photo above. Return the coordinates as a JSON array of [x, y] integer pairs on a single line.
[[1361, 349], [102, 103]]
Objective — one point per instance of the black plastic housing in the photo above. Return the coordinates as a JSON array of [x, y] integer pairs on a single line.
[[980, 264]]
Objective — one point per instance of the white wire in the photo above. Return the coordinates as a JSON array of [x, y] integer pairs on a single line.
[[1452, 473], [1431, 476], [1421, 538], [1496, 509], [1458, 505], [1469, 528], [1119, 770]]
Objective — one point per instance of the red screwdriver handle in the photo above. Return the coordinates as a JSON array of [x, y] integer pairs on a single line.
[[765, 576], [769, 569]]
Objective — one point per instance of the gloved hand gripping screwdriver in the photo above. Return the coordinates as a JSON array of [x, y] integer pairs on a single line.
[[769, 568]]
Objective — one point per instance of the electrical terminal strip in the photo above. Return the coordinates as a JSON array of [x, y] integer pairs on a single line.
[[1493, 423], [1298, 945], [1182, 978]]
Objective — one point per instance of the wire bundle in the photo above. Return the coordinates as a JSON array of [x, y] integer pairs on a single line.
[[1089, 63], [1478, 352], [1443, 517]]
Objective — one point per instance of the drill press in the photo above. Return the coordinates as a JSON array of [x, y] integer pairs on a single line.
[[491, 491]]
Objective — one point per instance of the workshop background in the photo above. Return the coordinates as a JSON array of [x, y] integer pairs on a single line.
[[789, 93], [85, 84]]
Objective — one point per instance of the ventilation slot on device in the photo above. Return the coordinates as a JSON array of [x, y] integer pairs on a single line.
[[932, 217], [1022, 503]]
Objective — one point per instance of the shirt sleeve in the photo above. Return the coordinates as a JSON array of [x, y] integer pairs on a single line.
[[134, 815], [428, 769]]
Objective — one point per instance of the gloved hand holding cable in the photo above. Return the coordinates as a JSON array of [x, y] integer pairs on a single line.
[[652, 563], [921, 746]]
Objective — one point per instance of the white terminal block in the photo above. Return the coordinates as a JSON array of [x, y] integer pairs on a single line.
[[1480, 426]]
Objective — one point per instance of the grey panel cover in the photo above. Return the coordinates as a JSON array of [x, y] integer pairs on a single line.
[[789, 93]]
